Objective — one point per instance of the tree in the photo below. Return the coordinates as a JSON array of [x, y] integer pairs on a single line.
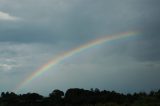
[[56, 96]]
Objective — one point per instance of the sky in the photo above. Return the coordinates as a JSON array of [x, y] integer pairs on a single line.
[[34, 31]]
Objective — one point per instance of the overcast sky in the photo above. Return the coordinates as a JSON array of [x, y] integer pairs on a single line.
[[33, 31]]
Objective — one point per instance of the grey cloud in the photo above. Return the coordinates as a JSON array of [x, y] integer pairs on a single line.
[[72, 21], [18, 60], [146, 47], [51, 27]]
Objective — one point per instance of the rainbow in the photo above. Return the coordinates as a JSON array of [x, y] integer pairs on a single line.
[[53, 62]]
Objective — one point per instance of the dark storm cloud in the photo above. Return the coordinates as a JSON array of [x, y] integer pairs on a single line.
[[147, 46], [70, 21], [26, 34], [80, 21], [49, 27]]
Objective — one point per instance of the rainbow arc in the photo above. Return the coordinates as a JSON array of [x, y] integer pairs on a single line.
[[55, 61]]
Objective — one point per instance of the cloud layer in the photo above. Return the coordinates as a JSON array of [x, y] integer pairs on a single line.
[[50, 27]]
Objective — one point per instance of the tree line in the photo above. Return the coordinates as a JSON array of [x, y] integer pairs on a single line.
[[81, 97]]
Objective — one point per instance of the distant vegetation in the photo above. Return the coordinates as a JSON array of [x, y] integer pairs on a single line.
[[81, 97]]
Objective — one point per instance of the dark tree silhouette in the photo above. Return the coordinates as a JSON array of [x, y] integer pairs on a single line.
[[56, 96], [81, 97]]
